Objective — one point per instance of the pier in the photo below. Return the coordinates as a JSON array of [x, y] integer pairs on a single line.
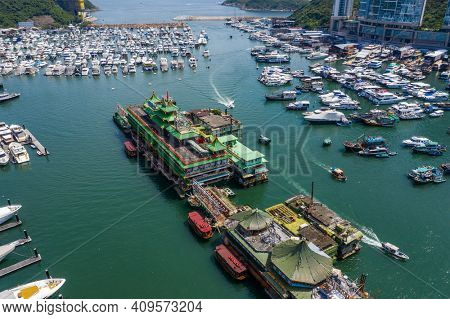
[[22, 264], [10, 225], [214, 18], [40, 148], [138, 26]]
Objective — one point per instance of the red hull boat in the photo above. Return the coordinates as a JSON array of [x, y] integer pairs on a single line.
[[230, 263], [198, 224]]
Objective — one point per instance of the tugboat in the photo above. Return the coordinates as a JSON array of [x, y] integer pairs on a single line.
[[264, 140], [393, 251], [130, 149], [352, 146], [338, 174], [230, 263], [121, 121], [198, 224]]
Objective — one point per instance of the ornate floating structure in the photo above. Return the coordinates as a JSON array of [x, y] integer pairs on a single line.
[[185, 148]]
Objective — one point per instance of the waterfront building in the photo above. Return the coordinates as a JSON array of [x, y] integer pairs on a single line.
[[216, 123], [390, 22], [285, 267], [249, 166], [342, 10], [175, 147]]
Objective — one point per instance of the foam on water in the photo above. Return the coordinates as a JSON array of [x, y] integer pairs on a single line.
[[370, 238]]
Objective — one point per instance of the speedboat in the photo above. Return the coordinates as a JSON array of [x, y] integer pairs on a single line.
[[18, 153], [299, 105], [393, 251], [264, 139], [437, 113], [4, 157], [41, 289], [6, 212], [5, 250]]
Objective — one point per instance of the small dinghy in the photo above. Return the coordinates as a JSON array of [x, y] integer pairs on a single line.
[[41, 289]]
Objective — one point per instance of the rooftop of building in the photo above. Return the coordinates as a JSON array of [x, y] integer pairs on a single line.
[[239, 151], [214, 118]]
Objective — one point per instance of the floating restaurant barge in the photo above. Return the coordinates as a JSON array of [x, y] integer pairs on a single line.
[[187, 151], [286, 266]]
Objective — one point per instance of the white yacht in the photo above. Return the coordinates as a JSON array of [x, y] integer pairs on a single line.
[[85, 71], [41, 289], [324, 116], [163, 64], [4, 157], [19, 134], [6, 212], [18, 153], [415, 141]]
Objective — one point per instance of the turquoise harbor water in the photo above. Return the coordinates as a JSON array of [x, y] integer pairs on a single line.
[[114, 231]]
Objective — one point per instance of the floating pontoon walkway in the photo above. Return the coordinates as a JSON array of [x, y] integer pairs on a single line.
[[42, 150], [22, 264], [10, 225]]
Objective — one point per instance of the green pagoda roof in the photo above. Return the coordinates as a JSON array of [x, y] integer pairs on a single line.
[[216, 146], [227, 138], [301, 262], [253, 220], [154, 99]]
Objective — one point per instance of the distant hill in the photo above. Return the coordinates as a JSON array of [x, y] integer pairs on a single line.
[[43, 12], [285, 5]]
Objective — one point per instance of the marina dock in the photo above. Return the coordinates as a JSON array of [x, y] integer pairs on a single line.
[[22, 264], [10, 225], [40, 148], [214, 18], [138, 26]]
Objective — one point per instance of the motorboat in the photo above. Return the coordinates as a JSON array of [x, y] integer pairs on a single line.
[[4, 157], [437, 113], [282, 96], [19, 134], [5, 250], [338, 174], [393, 251], [264, 139], [324, 116], [415, 141], [18, 153], [427, 174], [298, 105], [8, 96], [6, 212], [327, 142], [41, 289]]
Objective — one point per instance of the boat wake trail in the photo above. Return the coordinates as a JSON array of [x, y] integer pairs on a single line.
[[320, 164], [370, 238], [225, 101]]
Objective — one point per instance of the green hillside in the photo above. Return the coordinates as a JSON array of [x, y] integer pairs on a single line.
[[46, 12]]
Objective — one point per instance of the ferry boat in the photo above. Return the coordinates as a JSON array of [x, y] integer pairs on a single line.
[[393, 251], [338, 174], [8, 96], [130, 149], [7, 212], [18, 153], [230, 263], [198, 224], [283, 96], [41, 289]]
